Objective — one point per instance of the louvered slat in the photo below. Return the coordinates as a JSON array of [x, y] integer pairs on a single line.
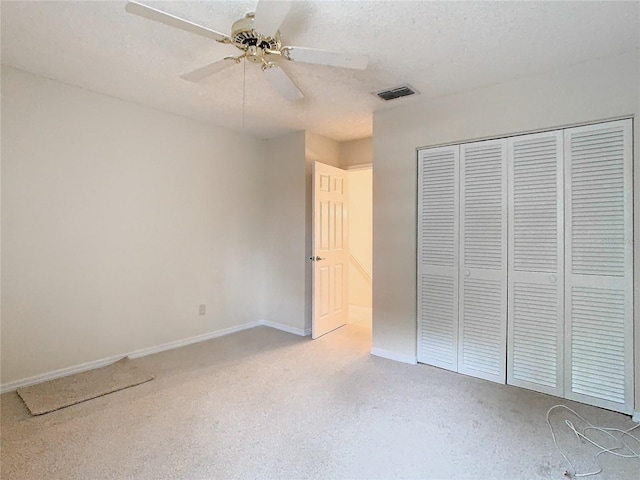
[[437, 341], [483, 181], [535, 334], [438, 200], [535, 204], [483, 313], [597, 356], [599, 282], [482, 339], [597, 184]]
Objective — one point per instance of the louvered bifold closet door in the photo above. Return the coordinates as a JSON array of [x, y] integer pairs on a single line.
[[483, 265], [438, 256], [536, 263], [599, 276]]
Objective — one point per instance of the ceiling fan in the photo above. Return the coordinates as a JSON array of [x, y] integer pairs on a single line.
[[257, 35]]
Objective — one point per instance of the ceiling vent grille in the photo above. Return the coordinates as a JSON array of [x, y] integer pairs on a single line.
[[396, 92]]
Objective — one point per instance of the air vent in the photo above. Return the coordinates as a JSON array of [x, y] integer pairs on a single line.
[[397, 92]]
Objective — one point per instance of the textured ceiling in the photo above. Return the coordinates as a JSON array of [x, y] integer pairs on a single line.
[[440, 48]]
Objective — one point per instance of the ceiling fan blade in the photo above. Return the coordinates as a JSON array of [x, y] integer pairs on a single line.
[[208, 70], [283, 82], [270, 15], [173, 21], [325, 57]]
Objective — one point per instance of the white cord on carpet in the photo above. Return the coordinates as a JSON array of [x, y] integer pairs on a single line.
[[571, 473]]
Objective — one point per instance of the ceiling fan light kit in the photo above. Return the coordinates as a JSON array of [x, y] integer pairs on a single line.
[[257, 35]]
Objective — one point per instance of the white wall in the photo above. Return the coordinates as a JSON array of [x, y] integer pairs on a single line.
[[285, 235], [360, 236], [356, 152], [321, 149], [117, 222], [580, 94]]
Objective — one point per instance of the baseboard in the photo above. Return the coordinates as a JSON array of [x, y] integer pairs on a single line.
[[143, 352], [286, 328], [636, 416], [188, 341], [64, 372], [398, 357]]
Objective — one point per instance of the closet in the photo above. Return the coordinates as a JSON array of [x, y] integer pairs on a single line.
[[525, 261]]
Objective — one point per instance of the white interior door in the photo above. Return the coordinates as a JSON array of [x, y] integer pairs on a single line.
[[536, 263], [599, 265], [330, 249], [482, 346], [438, 219]]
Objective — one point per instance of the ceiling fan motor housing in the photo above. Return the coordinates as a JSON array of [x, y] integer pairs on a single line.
[[244, 37]]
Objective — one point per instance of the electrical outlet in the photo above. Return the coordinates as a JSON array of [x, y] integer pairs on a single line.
[[203, 309]]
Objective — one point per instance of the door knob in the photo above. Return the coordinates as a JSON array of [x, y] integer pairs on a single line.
[[316, 258], [467, 273], [553, 278]]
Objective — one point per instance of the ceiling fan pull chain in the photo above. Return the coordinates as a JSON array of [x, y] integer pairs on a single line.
[[244, 89]]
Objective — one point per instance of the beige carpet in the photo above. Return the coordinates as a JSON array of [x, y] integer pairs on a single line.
[[60, 393], [263, 404]]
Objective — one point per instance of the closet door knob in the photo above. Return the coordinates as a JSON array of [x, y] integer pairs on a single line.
[[467, 273], [553, 278]]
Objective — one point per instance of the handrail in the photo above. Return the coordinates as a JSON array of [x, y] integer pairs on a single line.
[[360, 268]]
